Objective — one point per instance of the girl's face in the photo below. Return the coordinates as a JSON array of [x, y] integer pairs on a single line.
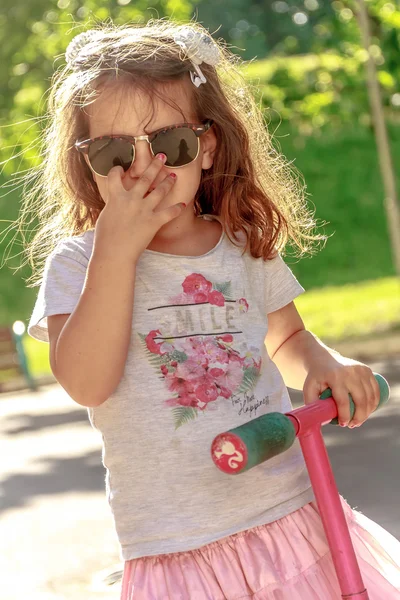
[[126, 112]]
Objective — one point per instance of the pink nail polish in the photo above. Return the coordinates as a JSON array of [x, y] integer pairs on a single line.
[[162, 157]]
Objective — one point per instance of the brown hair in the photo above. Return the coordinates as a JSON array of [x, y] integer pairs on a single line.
[[251, 186]]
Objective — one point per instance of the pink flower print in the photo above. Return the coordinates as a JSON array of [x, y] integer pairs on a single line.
[[153, 346], [196, 284], [243, 305], [190, 346], [186, 399], [249, 359], [196, 288], [216, 298], [206, 393], [216, 372], [257, 363], [235, 357], [227, 338], [190, 370], [177, 384], [212, 352], [164, 370], [225, 393], [231, 378]]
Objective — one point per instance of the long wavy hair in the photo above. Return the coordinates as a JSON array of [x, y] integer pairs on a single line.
[[251, 185]]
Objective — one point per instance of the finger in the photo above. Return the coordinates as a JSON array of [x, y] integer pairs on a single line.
[[114, 180], [129, 183], [341, 396], [311, 390], [370, 401], [359, 395], [149, 175], [164, 173], [159, 193], [170, 213], [376, 391]]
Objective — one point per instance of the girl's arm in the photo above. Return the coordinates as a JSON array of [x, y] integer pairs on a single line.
[[305, 363], [88, 358]]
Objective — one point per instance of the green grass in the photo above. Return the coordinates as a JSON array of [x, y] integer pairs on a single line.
[[352, 311], [332, 313], [38, 355], [343, 178]]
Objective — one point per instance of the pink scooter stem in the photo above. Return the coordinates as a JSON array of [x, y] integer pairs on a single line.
[[308, 430], [248, 445]]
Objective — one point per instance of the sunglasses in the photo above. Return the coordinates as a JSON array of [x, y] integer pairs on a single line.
[[180, 143]]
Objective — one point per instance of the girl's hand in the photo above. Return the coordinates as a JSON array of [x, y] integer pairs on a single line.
[[130, 219], [344, 376]]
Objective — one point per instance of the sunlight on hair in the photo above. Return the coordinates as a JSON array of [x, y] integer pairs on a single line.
[[251, 185]]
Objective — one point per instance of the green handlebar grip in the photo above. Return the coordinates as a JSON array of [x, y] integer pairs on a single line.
[[384, 396], [242, 448]]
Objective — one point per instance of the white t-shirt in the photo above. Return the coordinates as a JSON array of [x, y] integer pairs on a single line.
[[197, 366]]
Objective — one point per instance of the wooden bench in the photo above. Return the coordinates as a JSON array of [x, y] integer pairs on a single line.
[[13, 360]]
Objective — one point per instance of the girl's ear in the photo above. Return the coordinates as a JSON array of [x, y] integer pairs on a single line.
[[209, 146]]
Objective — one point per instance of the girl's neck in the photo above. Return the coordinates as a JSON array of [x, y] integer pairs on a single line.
[[193, 236]]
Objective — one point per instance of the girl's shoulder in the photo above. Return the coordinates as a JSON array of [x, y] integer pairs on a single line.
[[77, 246]]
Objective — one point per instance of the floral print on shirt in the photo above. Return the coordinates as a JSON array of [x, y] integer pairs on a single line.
[[200, 369]]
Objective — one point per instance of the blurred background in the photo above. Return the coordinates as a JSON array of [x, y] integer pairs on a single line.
[[333, 109]]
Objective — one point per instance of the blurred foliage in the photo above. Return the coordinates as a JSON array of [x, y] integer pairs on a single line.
[[322, 82], [312, 91]]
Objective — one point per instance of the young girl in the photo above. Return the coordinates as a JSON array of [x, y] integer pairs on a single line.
[[164, 212]]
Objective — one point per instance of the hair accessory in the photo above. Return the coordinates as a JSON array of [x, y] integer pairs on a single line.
[[75, 46], [199, 48]]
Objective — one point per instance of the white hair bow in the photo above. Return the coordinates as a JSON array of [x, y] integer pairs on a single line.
[[76, 44], [199, 48]]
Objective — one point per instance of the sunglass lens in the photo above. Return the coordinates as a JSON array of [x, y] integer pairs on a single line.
[[180, 145], [108, 153]]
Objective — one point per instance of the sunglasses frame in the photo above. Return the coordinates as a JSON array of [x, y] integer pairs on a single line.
[[83, 145]]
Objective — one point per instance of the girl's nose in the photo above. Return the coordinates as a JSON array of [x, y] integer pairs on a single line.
[[143, 158]]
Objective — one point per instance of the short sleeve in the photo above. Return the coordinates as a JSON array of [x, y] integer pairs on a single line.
[[63, 280], [281, 285]]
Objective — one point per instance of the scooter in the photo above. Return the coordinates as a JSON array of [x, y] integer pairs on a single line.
[[260, 439]]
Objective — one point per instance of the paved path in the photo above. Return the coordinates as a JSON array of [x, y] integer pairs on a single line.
[[56, 533]]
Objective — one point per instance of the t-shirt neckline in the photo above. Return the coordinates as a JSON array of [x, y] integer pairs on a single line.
[[208, 218]]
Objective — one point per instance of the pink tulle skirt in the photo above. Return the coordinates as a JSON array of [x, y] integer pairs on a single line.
[[288, 559]]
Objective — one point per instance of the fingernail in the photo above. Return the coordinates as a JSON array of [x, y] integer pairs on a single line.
[[162, 157], [343, 424], [173, 175], [183, 204]]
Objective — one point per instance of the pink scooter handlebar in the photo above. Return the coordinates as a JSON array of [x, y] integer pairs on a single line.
[[250, 444]]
